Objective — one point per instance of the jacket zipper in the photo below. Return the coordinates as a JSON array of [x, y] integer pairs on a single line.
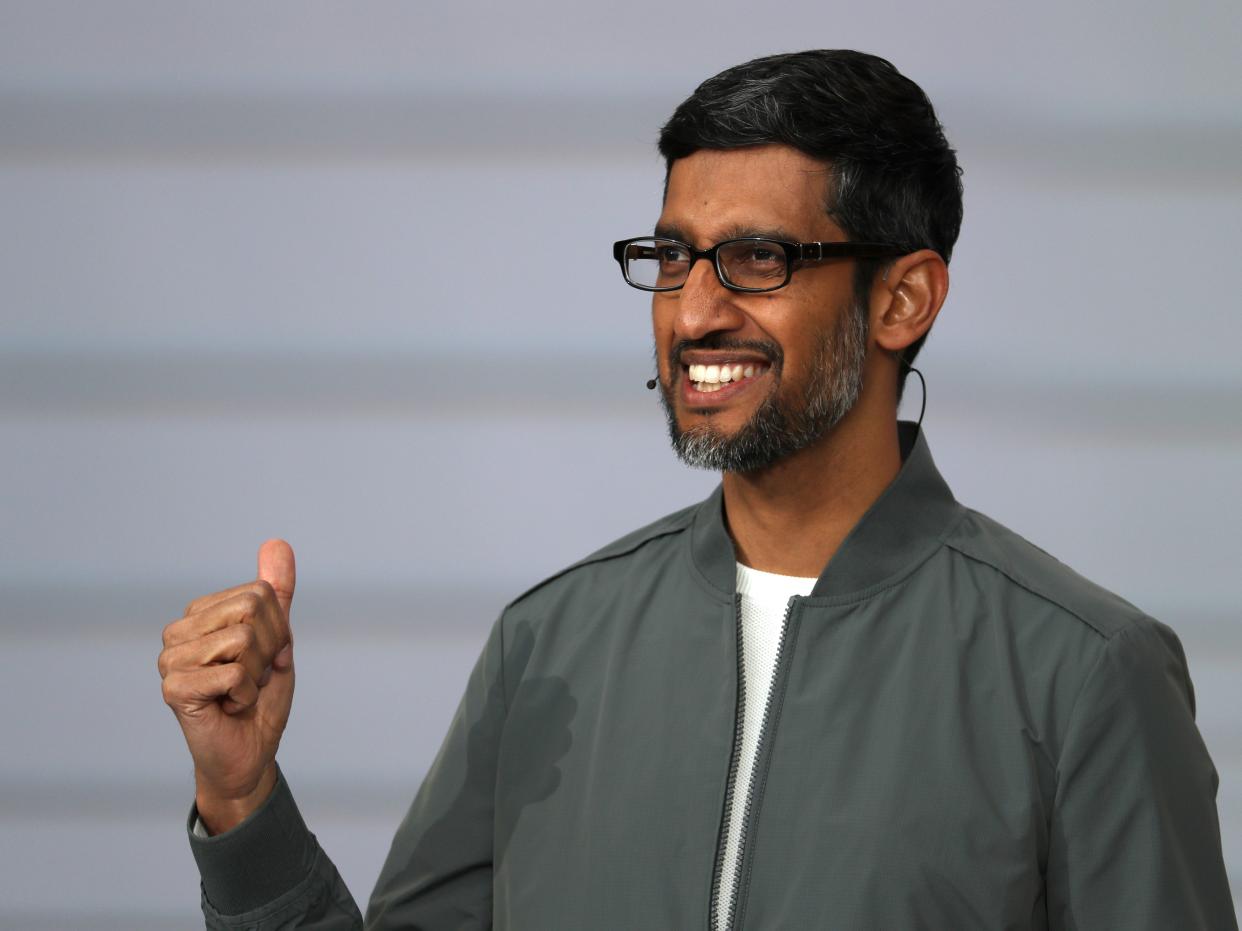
[[722, 840], [715, 922]]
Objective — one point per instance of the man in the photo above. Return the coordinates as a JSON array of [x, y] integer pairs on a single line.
[[827, 697]]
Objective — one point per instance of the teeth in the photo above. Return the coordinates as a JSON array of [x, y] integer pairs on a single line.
[[713, 374], [714, 377]]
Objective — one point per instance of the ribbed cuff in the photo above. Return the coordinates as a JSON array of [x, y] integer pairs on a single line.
[[259, 860]]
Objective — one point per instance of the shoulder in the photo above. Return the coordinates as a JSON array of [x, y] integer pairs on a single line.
[[1013, 565], [646, 546], [1078, 649], [572, 612]]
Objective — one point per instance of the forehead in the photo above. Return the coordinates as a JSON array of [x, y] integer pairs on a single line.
[[717, 193]]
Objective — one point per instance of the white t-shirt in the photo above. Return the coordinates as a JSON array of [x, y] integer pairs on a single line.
[[765, 598]]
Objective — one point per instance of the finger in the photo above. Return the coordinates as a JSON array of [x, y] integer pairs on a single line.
[[237, 643], [278, 569], [282, 665], [248, 699], [242, 695], [284, 659], [189, 691], [277, 690], [254, 604], [206, 601]]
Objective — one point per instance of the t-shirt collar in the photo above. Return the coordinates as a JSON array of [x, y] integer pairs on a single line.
[[901, 528]]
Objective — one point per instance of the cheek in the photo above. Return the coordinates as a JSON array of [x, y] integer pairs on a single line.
[[797, 348]]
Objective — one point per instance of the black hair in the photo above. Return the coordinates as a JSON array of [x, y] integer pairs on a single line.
[[895, 177]]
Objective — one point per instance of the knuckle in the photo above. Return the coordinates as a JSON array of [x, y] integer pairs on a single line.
[[252, 602], [168, 688], [246, 637], [232, 642], [266, 594], [233, 675]]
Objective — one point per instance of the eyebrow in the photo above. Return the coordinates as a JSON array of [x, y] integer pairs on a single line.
[[737, 231]]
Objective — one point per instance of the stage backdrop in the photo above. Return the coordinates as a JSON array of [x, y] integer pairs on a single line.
[[342, 273]]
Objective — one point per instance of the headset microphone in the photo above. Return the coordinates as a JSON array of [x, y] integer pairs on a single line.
[[651, 383], [922, 381]]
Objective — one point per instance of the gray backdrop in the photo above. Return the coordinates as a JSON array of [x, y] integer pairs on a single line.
[[341, 273]]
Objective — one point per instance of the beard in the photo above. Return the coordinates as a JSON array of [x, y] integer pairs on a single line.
[[780, 427]]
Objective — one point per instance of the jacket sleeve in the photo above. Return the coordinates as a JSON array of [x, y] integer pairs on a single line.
[[1135, 840], [270, 873]]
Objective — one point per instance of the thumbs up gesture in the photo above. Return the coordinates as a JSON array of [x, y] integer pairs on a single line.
[[227, 668]]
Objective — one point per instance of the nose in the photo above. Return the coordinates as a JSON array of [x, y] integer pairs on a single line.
[[704, 305]]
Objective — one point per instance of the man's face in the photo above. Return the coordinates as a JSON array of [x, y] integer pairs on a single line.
[[799, 350]]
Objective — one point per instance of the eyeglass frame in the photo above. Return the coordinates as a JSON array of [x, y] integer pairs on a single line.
[[795, 252]]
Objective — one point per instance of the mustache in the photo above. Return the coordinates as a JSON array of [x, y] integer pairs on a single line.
[[715, 341]]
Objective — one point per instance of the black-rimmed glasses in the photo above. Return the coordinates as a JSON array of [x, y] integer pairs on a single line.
[[751, 264]]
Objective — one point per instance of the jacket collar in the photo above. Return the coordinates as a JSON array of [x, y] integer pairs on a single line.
[[900, 529]]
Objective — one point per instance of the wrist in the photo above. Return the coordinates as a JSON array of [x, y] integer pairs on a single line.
[[220, 813]]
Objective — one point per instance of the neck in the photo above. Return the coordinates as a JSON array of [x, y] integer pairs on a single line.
[[793, 516]]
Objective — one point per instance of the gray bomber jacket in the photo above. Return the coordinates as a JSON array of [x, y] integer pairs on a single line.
[[963, 734]]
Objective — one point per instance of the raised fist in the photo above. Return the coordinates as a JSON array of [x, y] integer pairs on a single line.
[[227, 668]]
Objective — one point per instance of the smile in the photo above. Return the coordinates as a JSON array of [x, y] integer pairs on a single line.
[[710, 378]]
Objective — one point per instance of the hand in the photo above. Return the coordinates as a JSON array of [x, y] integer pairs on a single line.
[[227, 668]]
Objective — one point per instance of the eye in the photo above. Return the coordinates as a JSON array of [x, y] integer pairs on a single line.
[[753, 263], [673, 253], [763, 254]]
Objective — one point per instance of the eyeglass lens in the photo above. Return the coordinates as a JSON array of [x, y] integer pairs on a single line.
[[745, 263]]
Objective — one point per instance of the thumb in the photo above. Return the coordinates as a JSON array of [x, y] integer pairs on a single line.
[[277, 569]]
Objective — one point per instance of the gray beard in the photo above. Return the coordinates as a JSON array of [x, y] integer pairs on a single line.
[[780, 428]]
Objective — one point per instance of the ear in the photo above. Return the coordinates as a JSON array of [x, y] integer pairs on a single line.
[[906, 299]]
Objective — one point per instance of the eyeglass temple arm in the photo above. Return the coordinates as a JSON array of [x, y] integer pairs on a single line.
[[815, 251]]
